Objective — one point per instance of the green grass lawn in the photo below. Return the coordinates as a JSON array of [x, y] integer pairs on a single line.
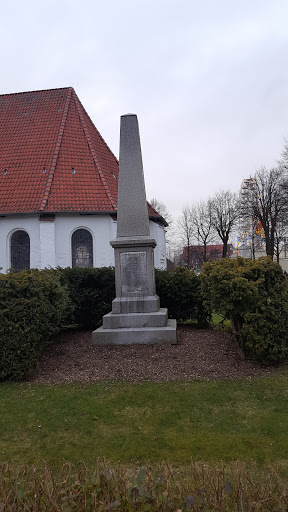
[[219, 319], [245, 419]]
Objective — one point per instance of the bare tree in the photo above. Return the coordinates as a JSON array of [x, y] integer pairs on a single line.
[[171, 246], [269, 200], [186, 229], [283, 162], [201, 218], [225, 214], [281, 235], [162, 209]]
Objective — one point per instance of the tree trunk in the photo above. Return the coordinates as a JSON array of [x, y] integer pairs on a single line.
[[237, 324], [268, 243], [253, 244], [277, 249], [188, 255], [224, 252], [205, 252], [272, 240], [269, 248]]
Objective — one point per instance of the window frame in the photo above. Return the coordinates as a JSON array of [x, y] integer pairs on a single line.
[[88, 243], [26, 261]]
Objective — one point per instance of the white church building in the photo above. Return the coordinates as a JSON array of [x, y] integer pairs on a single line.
[[58, 186]]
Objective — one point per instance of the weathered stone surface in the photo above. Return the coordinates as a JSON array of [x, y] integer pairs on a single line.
[[155, 319], [136, 316], [132, 214], [133, 294], [133, 272], [136, 336], [148, 304]]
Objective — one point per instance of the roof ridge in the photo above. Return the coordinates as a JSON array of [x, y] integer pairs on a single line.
[[41, 90], [110, 151], [93, 153], [56, 151]]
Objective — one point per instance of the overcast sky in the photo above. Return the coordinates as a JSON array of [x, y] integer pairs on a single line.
[[208, 80]]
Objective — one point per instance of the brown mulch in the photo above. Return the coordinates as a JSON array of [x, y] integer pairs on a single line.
[[200, 353]]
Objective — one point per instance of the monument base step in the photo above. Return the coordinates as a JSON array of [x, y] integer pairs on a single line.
[[121, 321], [136, 304], [137, 335]]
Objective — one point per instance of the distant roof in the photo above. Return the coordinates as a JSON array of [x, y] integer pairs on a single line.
[[52, 157], [212, 249]]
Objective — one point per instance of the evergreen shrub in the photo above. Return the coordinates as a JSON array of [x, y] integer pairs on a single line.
[[253, 294], [180, 291], [33, 305], [91, 291]]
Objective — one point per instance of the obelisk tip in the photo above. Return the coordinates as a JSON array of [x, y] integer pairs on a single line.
[[132, 215], [129, 114]]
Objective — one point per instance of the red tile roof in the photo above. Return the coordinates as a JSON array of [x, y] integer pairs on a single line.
[[52, 157], [213, 252]]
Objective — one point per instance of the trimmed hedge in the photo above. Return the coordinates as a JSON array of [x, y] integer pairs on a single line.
[[33, 305], [91, 291], [254, 295], [180, 291]]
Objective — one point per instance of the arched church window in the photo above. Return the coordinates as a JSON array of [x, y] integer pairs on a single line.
[[82, 249], [20, 250]]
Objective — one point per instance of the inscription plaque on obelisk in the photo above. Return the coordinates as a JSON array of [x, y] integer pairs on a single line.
[[133, 272], [136, 316]]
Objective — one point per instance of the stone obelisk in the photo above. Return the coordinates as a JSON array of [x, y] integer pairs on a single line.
[[136, 316]]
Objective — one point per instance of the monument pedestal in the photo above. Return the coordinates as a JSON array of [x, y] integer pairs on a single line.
[[136, 316], [136, 335]]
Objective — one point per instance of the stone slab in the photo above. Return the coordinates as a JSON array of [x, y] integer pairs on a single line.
[[156, 319], [135, 304], [137, 336], [133, 241], [133, 273]]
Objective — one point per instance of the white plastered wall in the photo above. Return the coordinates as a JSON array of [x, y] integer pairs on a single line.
[[102, 229], [50, 242], [47, 244], [158, 233]]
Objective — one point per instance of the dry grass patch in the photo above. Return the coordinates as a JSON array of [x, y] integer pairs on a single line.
[[197, 487]]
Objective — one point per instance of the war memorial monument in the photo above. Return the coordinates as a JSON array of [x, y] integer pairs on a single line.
[[136, 316]]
